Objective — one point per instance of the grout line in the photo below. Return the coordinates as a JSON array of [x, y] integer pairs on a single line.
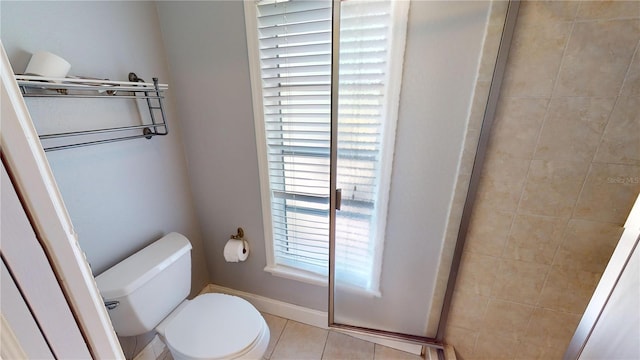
[[326, 340], [623, 18], [475, 341], [577, 11], [562, 58], [518, 207], [604, 131], [526, 328], [607, 126], [516, 211], [546, 118], [599, 222], [629, 163], [636, 54], [546, 217], [515, 302], [589, 171], [484, 313], [553, 261], [560, 311], [275, 345]]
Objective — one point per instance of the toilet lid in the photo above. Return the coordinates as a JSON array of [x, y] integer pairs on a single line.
[[214, 326]]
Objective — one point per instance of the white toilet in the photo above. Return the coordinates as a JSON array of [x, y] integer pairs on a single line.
[[148, 291]]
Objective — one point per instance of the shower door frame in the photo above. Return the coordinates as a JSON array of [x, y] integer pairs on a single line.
[[489, 115]]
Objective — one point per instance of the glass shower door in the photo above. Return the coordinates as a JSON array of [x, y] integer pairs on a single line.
[[407, 80], [367, 114]]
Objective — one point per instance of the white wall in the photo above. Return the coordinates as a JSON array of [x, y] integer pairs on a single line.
[[120, 196], [610, 326], [207, 55], [616, 333]]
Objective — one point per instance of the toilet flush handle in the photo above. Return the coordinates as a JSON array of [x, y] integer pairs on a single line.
[[111, 304]]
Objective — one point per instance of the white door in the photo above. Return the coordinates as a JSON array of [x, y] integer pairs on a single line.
[[21, 336], [33, 295]]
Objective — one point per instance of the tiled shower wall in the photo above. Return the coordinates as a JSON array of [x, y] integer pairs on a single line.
[[561, 174]]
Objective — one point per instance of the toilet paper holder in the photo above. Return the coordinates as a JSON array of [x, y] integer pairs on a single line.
[[240, 236]]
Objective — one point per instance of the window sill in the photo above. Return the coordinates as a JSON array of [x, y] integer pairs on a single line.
[[296, 274]]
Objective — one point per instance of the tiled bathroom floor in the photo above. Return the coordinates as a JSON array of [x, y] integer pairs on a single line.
[[294, 340]]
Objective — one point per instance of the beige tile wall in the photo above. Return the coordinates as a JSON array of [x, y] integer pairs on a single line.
[[562, 172]]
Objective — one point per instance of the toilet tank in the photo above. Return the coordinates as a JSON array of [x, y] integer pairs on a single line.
[[145, 287]]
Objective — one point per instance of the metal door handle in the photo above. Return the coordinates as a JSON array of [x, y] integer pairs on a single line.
[[111, 304]]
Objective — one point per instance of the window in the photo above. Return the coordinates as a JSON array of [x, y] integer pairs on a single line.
[[290, 55]]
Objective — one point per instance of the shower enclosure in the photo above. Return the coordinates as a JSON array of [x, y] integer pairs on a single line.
[[410, 86], [372, 112]]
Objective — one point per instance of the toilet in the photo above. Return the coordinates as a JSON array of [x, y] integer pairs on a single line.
[[148, 290]]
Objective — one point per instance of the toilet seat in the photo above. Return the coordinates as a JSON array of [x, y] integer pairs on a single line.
[[214, 326]]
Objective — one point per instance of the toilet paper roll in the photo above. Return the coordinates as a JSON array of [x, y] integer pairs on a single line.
[[235, 251], [44, 63]]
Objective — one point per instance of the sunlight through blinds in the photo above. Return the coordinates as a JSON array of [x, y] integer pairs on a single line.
[[294, 39]]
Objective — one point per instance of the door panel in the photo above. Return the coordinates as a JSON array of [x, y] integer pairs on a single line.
[[33, 275], [17, 315], [404, 127]]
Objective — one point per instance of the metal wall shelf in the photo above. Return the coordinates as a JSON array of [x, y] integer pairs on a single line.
[[134, 89]]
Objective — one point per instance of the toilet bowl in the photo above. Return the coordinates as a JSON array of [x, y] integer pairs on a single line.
[[148, 290], [215, 326]]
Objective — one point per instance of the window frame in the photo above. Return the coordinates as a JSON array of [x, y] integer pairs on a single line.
[[393, 82], [251, 24]]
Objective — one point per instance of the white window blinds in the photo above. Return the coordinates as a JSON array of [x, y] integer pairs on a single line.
[[294, 42], [366, 131], [295, 55]]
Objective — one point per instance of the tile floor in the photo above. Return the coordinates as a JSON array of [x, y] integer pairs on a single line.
[[294, 340]]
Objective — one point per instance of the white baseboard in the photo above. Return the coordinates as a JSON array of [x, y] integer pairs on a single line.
[[304, 315]]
